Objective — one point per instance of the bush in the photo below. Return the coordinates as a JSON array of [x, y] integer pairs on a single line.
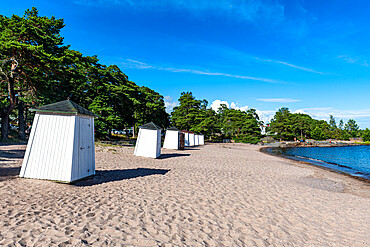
[[366, 135], [247, 139]]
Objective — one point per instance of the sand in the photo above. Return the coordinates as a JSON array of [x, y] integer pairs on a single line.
[[212, 195]]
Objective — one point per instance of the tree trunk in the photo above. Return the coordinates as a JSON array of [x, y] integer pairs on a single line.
[[4, 127], [109, 134], [21, 125], [127, 135], [6, 112]]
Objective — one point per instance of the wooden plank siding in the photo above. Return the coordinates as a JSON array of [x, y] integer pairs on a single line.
[[191, 139], [196, 137], [53, 148], [187, 141], [171, 140], [201, 139], [148, 143]]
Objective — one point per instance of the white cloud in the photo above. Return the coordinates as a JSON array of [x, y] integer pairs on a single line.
[[169, 103], [265, 116], [362, 117], [354, 60], [291, 65], [243, 57], [279, 100], [217, 104], [300, 112], [246, 10], [140, 65], [236, 107], [324, 112]]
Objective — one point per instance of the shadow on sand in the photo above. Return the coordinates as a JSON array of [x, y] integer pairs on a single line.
[[166, 156], [8, 172], [11, 154], [8, 157], [192, 148], [116, 175]]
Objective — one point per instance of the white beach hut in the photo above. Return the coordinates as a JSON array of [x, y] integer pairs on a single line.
[[148, 142], [191, 139], [172, 138], [201, 139], [61, 143], [186, 137], [196, 137]]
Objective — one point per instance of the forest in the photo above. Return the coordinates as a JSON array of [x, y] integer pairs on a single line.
[[297, 126], [37, 68]]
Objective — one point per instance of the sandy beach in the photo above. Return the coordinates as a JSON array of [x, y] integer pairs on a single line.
[[212, 195]]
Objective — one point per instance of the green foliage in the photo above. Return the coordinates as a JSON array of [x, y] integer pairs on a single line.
[[288, 126], [240, 125], [341, 124], [188, 114], [207, 123], [110, 95], [366, 135], [150, 108], [36, 68], [33, 55], [282, 124], [352, 128], [48, 71], [332, 123], [193, 115]]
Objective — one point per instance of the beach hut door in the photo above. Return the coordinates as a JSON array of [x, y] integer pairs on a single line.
[[85, 161]]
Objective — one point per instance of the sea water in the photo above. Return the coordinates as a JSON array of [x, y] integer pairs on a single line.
[[354, 160]]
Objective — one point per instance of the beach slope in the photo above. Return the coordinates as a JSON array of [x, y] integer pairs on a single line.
[[212, 195]]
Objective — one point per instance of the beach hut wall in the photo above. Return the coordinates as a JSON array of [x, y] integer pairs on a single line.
[[201, 139], [186, 138], [148, 142], [191, 139], [61, 143], [172, 138], [196, 137]]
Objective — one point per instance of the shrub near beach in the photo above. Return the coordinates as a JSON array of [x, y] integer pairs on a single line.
[[366, 135]]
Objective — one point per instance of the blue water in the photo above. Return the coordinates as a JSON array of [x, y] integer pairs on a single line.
[[354, 160]]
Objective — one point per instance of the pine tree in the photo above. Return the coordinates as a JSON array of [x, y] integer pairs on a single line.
[[31, 51]]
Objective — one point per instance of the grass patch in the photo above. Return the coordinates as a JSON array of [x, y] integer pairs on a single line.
[[112, 150], [362, 143]]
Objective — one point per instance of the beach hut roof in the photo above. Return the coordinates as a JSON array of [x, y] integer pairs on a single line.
[[66, 107], [173, 128], [151, 126], [185, 131]]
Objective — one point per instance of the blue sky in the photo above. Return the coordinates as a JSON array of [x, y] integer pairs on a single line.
[[310, 56]]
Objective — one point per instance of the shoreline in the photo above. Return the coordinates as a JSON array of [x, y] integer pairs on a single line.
[[300, 161]]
